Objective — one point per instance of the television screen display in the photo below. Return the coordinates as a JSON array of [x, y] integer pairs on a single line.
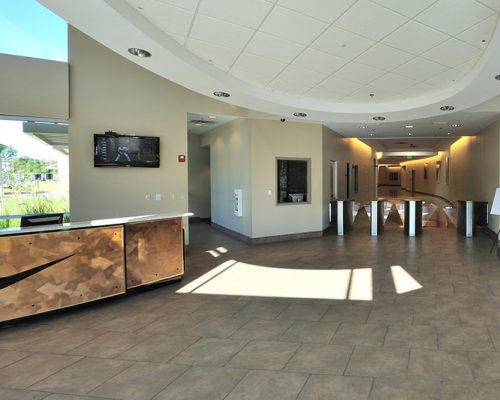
[[126, 151]]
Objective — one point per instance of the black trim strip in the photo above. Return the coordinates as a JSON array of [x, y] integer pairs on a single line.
[[12, 279]]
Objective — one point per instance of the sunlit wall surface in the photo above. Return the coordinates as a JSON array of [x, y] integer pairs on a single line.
[[29, 29]]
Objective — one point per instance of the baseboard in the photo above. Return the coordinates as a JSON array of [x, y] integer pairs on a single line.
[[266, 239]]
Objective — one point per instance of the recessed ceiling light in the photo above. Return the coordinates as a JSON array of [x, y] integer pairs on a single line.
[[455, 125], [363, 127], [409, 126], [212, 116], [410, 134], [221, 94], [497, 77], [139, 52], [372, 134], [299, 114], [379, 118], [447, 108], [449, 133], [198, 124]]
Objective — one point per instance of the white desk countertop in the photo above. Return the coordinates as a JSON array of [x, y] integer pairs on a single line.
[[90, 224]]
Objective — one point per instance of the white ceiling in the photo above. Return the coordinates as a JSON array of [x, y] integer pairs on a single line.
[[343, 51], [200, 123], [322, 57]]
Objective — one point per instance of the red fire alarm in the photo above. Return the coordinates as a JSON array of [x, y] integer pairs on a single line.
[[181, 158]]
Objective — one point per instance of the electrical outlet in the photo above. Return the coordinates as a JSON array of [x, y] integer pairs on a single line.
[[157, 196], [148, 196], [269, 192]]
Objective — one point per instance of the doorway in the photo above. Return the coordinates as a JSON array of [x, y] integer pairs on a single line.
[[413, 180], [333, 180], [348, 181]]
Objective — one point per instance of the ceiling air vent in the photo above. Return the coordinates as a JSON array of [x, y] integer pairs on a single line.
[[201, 122]]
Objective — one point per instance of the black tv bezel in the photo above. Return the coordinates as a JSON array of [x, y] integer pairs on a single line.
[[131, 165]]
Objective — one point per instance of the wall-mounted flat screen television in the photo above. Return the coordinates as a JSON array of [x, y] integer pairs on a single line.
[[113, 150]]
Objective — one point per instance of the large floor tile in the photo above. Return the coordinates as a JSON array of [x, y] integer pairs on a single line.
[[414, 336], [360, 334], [158, 348], [262, 329], [264, 355], [378, 362], [218, 327], [439, 365], [109, 345], [402, 389], [485, 366], [342, 387], [452, 338], [310, 332], [20, 394], [320, 359]]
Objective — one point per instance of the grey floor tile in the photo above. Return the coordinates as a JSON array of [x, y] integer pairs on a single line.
[[20, 394], [109, 345], [439, 365], [220, 308], [264, 355], [63, 340], [414, 336], [456, 338], [310, 332], [347, 313], [171, 325], [268, 385], [219, 327], [391, 314], [202, 384], [342, 387], [210, 352], [304, 312], [129, 322], [261, 310], [11, 356], [320, 359], [82, 376], [485, 366], [57, 396], [262, 329], [158, 348], [378, 362], [34, 368], [140, 381], [360, 334], [402, 389]]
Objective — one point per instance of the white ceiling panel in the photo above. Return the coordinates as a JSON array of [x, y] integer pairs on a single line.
[[420, 89], [270, 46], [324, 10], [445, 79], [452, 53], [252, 77], [340, 87], [493, 4], [319, 61], [178, 38], [358, 73], [261, 65], [467, 66], [339, 42], [384, 57], [363, 96], [166, 17], [480, 34], [392, 82], [284, 86], [454, 16], [219, 32], [370, 20], [187, 4], [240, 12], [220, 56], [306, 78], [420, 69], [404, 38], [323, 94], [408, 8], [282, 20]]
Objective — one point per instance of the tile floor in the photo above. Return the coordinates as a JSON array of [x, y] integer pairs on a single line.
[[438, 342]]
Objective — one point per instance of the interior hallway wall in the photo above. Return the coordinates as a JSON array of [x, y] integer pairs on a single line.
[[230, 169], [108, 92], [354, 152], [474, 163], [198, 177], [384, 173]]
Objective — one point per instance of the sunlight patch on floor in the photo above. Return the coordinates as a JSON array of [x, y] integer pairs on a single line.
[[403, 281], [361, 287]]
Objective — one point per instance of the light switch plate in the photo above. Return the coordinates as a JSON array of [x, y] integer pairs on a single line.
[[157, 196]]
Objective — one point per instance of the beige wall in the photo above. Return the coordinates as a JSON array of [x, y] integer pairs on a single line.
[[272, 139], [198, 177], [383, 176], [474, 170], [230, 169], [33, 87], [352, 151], [108, 92]]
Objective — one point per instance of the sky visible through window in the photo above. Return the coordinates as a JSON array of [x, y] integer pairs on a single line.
[[29, 29]]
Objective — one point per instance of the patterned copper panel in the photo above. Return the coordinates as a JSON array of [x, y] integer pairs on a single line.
[[154, 251], [95, 271]]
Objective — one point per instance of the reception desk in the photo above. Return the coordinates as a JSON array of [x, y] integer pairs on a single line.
[[47, 268]]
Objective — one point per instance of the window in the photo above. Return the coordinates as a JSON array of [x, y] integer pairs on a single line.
[[29, 29], [293, 180], [393, 176]]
